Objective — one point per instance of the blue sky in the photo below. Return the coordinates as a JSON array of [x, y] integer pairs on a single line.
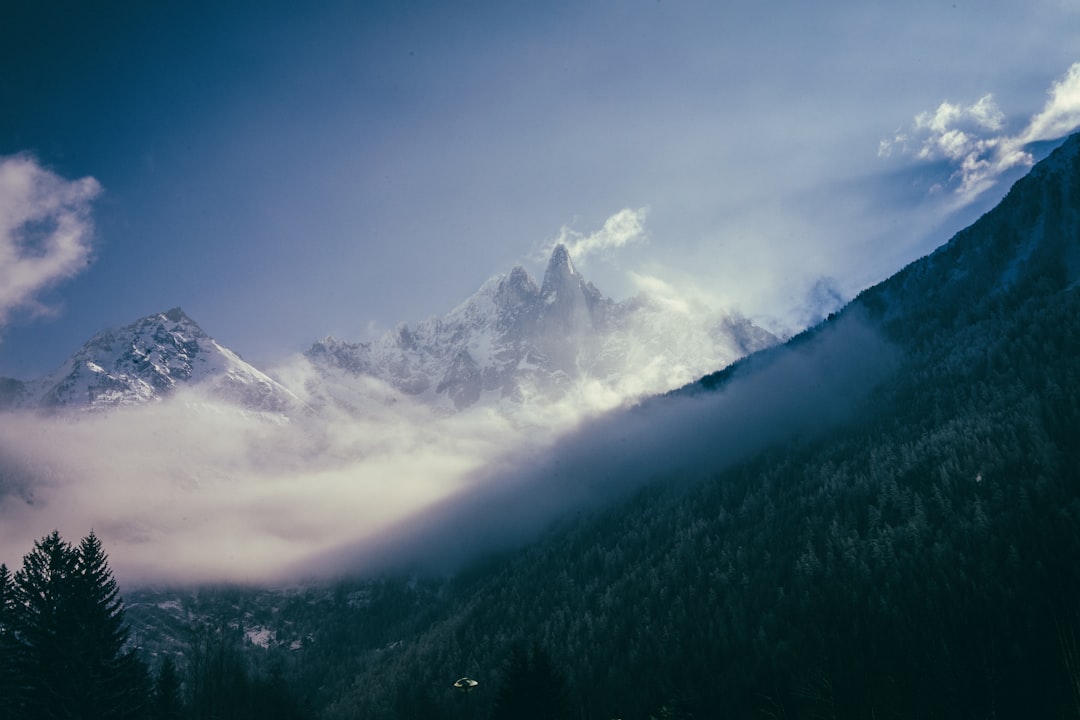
[[285, 174]]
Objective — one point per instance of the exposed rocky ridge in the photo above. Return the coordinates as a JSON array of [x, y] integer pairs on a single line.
[[147, 361], [515, 340], [511, 344]]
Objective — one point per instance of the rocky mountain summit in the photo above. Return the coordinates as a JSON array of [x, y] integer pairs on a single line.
[[516, 341], [147, 361]]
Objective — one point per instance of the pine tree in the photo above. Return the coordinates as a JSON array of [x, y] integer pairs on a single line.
[[110, 677], [168, 702], [9, 682], [69, 636], [44, 623]]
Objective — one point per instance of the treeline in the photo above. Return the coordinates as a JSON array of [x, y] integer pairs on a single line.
[[65, 651]]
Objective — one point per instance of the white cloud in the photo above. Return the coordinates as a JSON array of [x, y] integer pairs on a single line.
[[986, 114], [624, 227], [45, 231], [1061, 115], [664, 293], [194, 490], [971, 137]]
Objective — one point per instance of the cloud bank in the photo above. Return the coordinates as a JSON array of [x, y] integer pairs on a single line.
[[972, 138], [45, 231], [781, 394], [193, 490]]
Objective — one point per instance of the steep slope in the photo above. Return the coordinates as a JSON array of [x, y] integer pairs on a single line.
[[515, 341], [1028, 245], [914, 559], [145, 362]]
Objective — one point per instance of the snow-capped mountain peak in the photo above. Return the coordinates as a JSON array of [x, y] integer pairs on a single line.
[[147, 361], [560, 271], [514, 342]]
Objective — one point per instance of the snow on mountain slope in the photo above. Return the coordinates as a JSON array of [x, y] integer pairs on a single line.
[[560, 346], [516, 343], [146, 361]]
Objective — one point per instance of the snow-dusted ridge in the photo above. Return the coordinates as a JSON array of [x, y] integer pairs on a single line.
[[147, 361], [515, 342], [514, 345]]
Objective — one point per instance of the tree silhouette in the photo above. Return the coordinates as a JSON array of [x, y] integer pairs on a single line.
[[68, 636], [168, 701], [104, 667], [44, 625], [9, 683]]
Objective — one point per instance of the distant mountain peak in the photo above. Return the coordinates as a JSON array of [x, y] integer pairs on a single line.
[[513, 341], [560, 254], [519, 276], [148, 360], [560, 270], [177, 315]]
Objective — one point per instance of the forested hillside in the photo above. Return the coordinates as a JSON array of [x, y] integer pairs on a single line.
[[920, 563], [919, 560]]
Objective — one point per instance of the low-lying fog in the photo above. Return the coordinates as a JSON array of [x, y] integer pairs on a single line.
[[190, 490]]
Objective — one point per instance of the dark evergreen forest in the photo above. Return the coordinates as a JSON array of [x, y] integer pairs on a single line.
[[918, 561]]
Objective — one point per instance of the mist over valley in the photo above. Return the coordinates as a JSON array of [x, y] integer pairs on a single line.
[[641, 360], [169, 445]]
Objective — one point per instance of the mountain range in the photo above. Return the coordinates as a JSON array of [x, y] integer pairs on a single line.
[[879, 517], [513, 343], [904, 550]]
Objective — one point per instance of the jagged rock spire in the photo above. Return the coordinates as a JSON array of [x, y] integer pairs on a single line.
[[560, 270]]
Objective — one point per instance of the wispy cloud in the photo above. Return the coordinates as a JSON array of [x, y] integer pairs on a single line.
[[1061, 115], [45, 231], [972, 138], [623, 228]]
